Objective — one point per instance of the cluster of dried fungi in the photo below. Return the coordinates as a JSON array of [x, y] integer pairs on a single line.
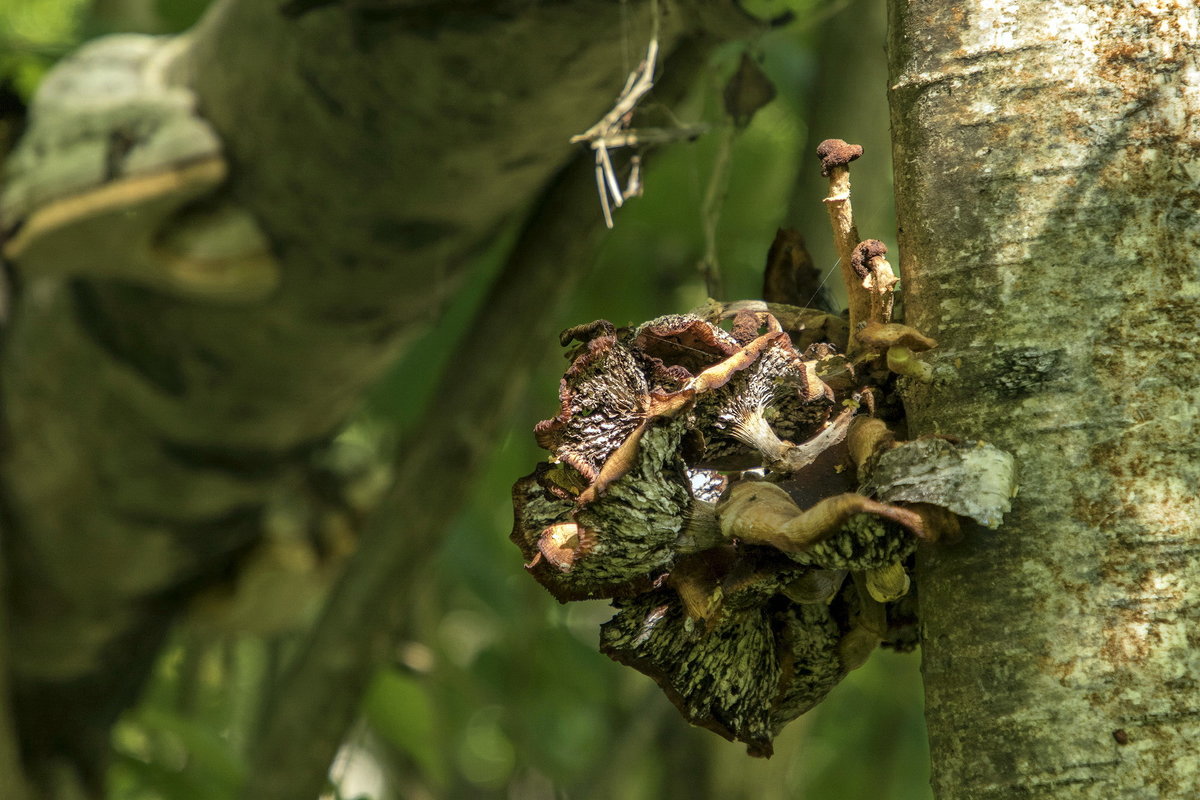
[[711, 473]]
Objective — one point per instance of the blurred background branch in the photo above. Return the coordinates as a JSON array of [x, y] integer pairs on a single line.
[[466, 679]]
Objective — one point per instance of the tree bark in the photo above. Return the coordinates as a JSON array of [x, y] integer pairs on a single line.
[[1046, 160], [379, 149]]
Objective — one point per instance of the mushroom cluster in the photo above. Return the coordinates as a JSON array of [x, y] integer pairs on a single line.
[[678, 453]]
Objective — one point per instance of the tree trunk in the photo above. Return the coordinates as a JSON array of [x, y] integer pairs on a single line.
[[1047, 158]]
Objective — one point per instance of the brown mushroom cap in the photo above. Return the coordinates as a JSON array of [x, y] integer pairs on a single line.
[[682, 340], [837, 153], [864, 251], [603, 399]]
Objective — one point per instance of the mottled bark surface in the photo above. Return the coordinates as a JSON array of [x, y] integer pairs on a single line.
[[148, 433], [1048, 178]]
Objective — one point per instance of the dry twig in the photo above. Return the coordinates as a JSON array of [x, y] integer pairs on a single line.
[[612, 131]]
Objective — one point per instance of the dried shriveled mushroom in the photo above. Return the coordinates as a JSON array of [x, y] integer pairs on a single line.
[[724, 678], [728, 593], [747, 594], [620, 541], [604, 398], [763, 662]]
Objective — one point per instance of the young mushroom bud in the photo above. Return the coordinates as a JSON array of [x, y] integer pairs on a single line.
[[888, 583], [902, 361]]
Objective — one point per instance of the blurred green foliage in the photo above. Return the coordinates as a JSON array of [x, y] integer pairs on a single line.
[[498, 691], [35, 33]]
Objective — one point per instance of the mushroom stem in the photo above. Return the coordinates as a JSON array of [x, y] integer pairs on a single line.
[[702, 530], [866, 438], [783, 456], [762, 513], [836, 156], [869, 628], [754, 430], [799, 456], [882, 288]]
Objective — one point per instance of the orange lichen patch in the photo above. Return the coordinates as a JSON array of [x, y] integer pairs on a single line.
[[1131, 638]]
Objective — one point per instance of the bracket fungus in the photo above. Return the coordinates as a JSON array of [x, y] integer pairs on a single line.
[[739, 495], [118, 177]]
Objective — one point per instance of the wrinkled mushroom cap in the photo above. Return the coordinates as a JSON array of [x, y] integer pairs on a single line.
[[755, 668], [810, 662], [603, 399], [682, 340], [619, 541], [864, 542], [724, 679]]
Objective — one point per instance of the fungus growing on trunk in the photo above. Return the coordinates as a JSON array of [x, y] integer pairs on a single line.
[[721, 487]]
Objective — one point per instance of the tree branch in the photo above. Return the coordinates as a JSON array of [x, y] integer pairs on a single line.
[[483, 380], [484, 377], [150, 427], [12, 773]]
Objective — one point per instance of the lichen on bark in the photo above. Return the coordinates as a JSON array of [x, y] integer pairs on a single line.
[[1045, 159]]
